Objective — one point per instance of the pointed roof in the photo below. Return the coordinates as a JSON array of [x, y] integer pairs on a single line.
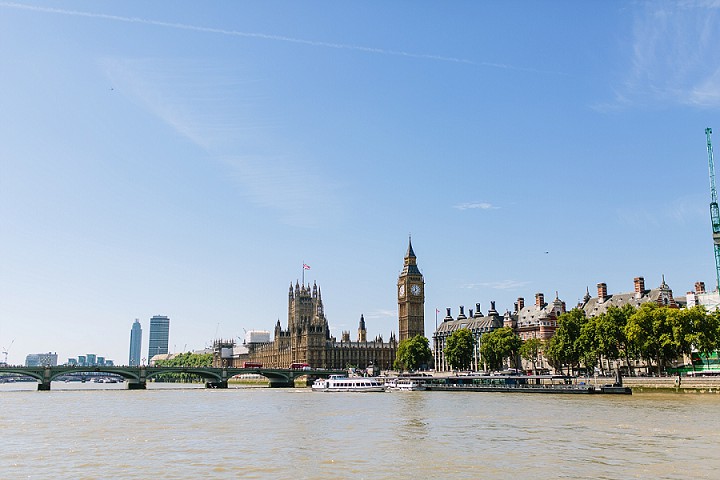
[[410, 264], [410, 252]]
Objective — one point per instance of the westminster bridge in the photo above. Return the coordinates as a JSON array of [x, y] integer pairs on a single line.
[[137, 377]]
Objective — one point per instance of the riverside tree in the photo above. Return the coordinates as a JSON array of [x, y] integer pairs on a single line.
[[530, 349], [412, 353], [459, 349], [187, 359], [707, 334], [564, 347], [650, 330], [613, 339], [498, 345]]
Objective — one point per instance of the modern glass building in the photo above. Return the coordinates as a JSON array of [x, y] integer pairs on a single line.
[[159, 336], [135, 343], [41, 360]]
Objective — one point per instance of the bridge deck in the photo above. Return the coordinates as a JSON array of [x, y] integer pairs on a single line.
[[137, 377]]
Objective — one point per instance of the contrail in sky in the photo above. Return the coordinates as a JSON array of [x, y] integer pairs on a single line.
[[235, 33]]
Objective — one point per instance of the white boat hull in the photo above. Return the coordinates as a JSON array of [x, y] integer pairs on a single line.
[[347, 384]]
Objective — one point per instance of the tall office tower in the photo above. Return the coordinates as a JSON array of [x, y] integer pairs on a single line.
[[159, 336], [135, 344]]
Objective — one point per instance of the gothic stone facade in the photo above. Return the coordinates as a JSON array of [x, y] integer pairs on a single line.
[[411, 298], [307, 339]]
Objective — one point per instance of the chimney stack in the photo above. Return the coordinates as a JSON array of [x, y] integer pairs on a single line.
[[602, 292], [539, 300], [699, 287], [639, 286], [520, 303]]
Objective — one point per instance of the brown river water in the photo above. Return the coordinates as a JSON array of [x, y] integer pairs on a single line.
[[84, 432]]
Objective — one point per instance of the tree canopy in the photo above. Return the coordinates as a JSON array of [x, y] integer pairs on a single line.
[[412, 353], [530, 349], [459, 349], [564, 347], [498, 345]]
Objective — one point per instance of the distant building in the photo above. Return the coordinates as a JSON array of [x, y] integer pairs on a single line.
[[476, 322], [538, 320], [307, 339], [159, 335], [257, 336], [662, 296], [135, 343], [41, 360], [709, 300], [90, 360]]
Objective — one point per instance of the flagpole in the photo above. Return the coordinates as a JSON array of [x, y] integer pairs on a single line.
[[303, 274]]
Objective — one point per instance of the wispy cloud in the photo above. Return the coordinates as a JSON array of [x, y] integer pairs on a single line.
[[498, 285], [679, 211], [675, 56], [281, 185], [272, 37], [475, 206], [262, 36], [380, 314], [216, 112]]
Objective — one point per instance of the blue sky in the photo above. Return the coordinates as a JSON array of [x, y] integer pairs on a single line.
[[186, 158]]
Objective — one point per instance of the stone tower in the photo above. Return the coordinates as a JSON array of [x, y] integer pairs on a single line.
[[362, 331], [411, 298], [307, 326]]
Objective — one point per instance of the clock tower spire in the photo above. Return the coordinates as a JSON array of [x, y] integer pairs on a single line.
[[411, 298]]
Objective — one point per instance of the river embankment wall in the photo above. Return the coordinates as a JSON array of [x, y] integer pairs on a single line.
[[673, 384]]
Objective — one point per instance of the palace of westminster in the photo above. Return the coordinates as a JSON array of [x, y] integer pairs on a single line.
[[307, 339]]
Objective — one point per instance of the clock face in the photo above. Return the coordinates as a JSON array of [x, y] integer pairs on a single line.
[[415, 289], [401, 290]]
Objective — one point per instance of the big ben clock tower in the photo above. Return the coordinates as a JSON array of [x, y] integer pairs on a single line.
[[411, 298]]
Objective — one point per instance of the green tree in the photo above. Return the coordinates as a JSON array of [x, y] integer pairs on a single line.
[[412, 353], [459, 349], [612, 340], [498, 345], [564, 347], [589, 343], [650, 330], [184, 360], [707, 333], [530, 349], [685, 324]]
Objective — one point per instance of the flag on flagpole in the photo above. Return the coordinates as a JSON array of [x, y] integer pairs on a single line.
[[306, 266]]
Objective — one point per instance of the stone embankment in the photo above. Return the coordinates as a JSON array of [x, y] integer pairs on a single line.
[[673, 384]]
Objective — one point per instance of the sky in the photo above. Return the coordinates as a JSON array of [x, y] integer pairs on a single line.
[[186, 158]]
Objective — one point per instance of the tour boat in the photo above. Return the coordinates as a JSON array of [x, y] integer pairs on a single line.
[[340, 383], [405, 385]]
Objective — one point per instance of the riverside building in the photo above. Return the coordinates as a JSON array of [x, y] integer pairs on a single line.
[[476, 322], [540, 320], [306, 339], [159, 336], [709, 300], [662, 296]]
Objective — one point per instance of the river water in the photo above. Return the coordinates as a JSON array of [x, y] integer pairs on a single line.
[[164, 433]]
